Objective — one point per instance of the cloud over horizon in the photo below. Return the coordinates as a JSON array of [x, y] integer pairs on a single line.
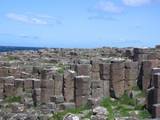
[[135, 3], [108, 6], [33, 19], [21, 36]]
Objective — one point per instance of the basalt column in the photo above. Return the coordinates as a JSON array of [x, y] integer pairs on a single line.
[[105, 75], [68, 79], [131, 75], [47, 85], [82, 90], [95, 70], [147, 66], [156, 96], [117, 78]]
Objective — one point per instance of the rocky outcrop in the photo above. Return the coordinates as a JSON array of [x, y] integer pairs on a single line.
[[58, 79]]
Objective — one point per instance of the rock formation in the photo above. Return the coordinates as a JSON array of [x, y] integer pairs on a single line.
[[57, 79]]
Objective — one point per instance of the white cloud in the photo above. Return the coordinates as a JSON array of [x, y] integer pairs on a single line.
[[135, 3], [48, 17], [26, 19], [108, 6], [22, 36], [33, 19], [26, 36], [97, 17]]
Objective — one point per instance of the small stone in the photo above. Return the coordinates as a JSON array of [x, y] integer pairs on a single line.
[[71, 117], [100, 111]]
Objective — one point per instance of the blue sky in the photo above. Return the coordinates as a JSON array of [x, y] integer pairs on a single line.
[[80, 23]]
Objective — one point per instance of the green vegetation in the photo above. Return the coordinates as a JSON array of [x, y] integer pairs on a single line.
[[141, 94], [12, 99], [109, 103], [144, 114], [60, 70], [61, 67], [136, 88], [125, 99], [60, 115], [122, 107], [10, 58]]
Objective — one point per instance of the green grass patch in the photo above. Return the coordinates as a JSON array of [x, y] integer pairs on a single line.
[[136, 88], [141, 94], [62, 68], [60, 115], [10, 58], [144, 114], [108, 103], [122, 107], [125, 99], [12, 99]]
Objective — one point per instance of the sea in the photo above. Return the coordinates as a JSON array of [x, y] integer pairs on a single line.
[[14, 48]]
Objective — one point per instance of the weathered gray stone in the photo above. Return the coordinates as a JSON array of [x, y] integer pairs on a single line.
[[45, 95], [71, 117], [57, 99], [156, 97], [106, 88], [81, 92], [19, 83], [95, 75], [131, 65], [97, 93], [47, 84], [28, 84], [69, 79], [93, 102], [46, 74], [128, 85], [18, 108], [82, 82], [131, 74], [7, 80], [4, 71], [99, 113], [156, 111], [150, 98], [156, 80], [67, 106], [147, 66], [105, 71], [154, 71], [95, 66], [83, 69], [69, 94], [25, 75], [9, 90], [96, 84], [81, 100], [58, 84], [36, 83], [118, 88]]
